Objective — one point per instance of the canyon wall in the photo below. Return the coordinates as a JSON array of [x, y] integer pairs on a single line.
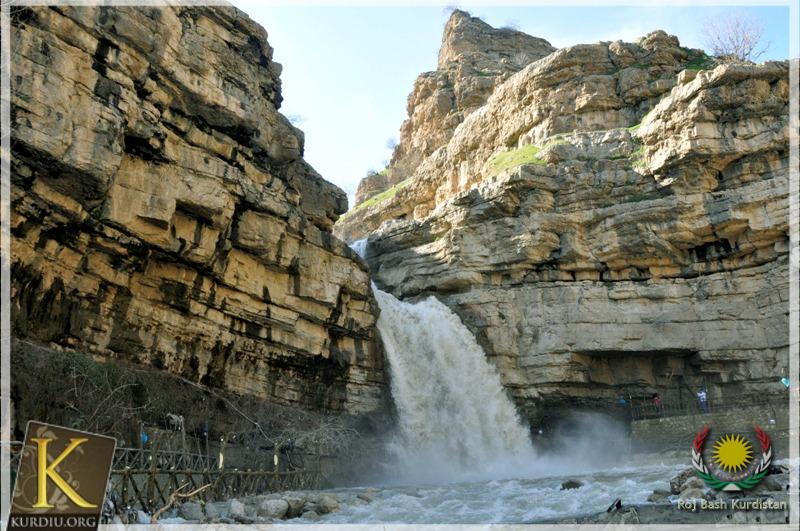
[[162, 212], [613, 220]]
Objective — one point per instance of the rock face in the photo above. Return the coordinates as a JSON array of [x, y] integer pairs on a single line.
[[581, 88], [613, 220], [473, 60], [163, 214]]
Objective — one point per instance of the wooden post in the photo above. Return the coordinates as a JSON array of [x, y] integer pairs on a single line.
[[124, 493], [183, 439], [151, 476]]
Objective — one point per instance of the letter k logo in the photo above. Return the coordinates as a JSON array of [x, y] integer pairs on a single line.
[[49, 471]]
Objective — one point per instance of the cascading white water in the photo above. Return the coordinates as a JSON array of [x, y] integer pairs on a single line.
[[455, 420], [360, 247]]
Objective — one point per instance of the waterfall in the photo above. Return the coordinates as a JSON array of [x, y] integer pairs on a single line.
[[360, 247], [455, 420]]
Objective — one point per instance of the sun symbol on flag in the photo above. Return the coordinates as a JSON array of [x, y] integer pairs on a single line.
[[733, 452]]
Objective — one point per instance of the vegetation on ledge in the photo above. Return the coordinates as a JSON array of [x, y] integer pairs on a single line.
[[506, 160], [378, 198], [700, 61]]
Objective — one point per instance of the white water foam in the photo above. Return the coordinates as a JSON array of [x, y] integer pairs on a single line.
[[457, 427], [502, 501]]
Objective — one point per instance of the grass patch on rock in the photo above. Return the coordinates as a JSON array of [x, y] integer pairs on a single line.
[[700, 61], [378, 198], [637, 158], [506, 160]]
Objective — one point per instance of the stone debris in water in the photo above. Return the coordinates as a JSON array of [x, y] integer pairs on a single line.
[[571, 484]]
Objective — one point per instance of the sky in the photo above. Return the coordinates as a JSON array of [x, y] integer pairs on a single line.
[[348, 70]]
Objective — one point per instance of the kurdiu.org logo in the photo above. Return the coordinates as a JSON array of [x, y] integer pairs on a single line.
[[61, 480], [732, 465]]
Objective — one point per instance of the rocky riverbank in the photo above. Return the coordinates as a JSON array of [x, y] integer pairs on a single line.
[[681, 498], [308, 506]]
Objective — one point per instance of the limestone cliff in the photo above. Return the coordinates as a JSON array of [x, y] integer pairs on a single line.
[[613, 220], [162, 212], [474, 58]]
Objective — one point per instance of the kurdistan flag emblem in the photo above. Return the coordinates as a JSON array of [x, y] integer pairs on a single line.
[[733, 467]]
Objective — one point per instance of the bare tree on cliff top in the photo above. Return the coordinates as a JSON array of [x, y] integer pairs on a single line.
[[735, 38]]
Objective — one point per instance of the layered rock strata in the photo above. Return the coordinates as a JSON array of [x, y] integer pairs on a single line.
[[162, 212], [589, 87]]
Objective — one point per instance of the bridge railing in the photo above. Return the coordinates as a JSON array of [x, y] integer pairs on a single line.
[[136, 458], [672, 409], [145, 479]]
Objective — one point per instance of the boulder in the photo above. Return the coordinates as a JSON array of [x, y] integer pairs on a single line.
[[192, 511], [245, 519], [214, 510], [692, 494], [274, 508], [295, 503], [236, 509], [659, 496], [571, 484], [310, 515], [693, 482], [310, 506], [775, 469], [774, 483], [368, 495], [328, 503], [678, 480]]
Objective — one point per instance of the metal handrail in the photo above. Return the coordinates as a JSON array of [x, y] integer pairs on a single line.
[[667, 409]]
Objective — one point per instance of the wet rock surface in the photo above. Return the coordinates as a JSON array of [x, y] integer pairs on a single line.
[[696, 504]]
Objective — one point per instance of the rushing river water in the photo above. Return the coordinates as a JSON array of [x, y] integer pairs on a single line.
[[505, 500]]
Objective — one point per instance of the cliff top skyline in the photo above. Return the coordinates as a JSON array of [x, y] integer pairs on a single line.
[[348, 70]]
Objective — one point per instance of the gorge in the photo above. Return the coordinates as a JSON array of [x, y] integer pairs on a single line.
[[556, 229]]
